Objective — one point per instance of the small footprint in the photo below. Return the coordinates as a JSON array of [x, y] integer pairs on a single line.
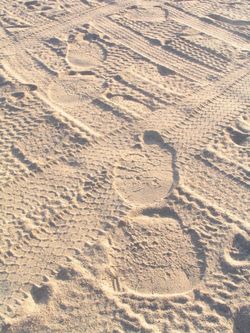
[[41, 294], [238, 255], [242, 320]]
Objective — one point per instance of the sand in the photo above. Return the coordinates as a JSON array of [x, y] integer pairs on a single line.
[[124, 166]]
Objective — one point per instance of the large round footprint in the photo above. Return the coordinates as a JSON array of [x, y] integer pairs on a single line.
[[85, 54], [74, 91], [145, 176], [155, 255]]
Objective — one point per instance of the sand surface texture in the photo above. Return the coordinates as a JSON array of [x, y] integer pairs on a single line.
[[124, 166]]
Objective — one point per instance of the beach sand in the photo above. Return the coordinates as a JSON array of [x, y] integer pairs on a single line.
[[124, 166]]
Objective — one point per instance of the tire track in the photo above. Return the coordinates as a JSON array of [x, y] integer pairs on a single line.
[[216, 110], [156, 55], [209, 29]]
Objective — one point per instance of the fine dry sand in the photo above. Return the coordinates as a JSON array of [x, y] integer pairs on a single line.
[[124, 166]]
